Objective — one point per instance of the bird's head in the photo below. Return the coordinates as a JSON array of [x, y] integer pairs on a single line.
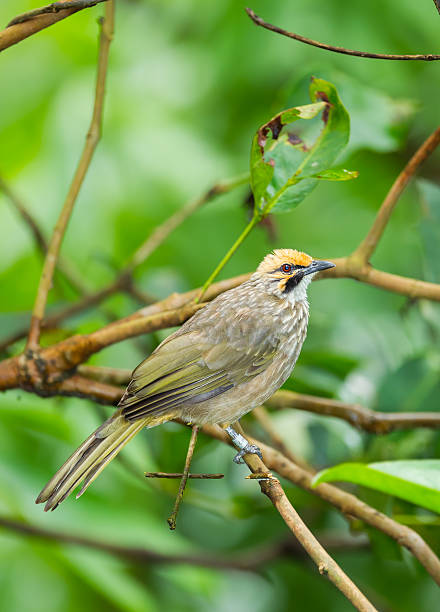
[[287, 273]]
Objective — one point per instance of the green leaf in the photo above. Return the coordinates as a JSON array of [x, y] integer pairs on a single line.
[[416, 481], [338, 174], [284, 167], [379, 122], [261, 170]]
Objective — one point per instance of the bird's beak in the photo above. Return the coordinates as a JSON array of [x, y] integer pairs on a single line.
[[317, 265]]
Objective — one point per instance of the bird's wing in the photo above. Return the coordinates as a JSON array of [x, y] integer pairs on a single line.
[[195, 365]]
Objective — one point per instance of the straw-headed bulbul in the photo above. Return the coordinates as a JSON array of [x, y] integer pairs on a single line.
[[228, 358]]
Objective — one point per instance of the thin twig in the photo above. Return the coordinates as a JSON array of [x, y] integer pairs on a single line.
[[153, 242], [358, 416], [192, 444], [327, 566], [368, 245], [161, 233], [39, 238], [353, 267], [437, 5], [124, 279], [55, 7], [76, 350], [175, 475], [345, 502], [249, 561], [92, 140], [142, 297], [13, 34], [63, 266], [263, 418], [314, 43]]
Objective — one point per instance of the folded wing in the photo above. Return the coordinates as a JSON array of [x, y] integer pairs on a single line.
[[196, 365]]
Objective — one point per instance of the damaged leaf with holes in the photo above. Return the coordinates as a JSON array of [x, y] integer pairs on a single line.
[[285, 166]]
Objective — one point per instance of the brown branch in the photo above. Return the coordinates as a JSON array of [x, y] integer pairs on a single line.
[[170, 312], [112, 376], [124, 279], [92, 140], [157, 316], [157, 238], [249, 561], [66, 355], [55, 7], [327, 567], [78, 386], [437, 5], [314, 43], [353, 267], [346, 267], [14, 33], [53, 320], [347, 503], [69, 353], [161, 233], [175, 475], [356, 415], [45, 370], [368, 245]]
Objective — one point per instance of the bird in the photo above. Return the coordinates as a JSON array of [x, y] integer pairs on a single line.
[[228, 358]]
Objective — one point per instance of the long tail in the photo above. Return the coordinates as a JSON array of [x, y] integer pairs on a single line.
[[88, 461]]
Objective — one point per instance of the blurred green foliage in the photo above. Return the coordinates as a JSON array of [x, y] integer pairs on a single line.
[[189, 84]]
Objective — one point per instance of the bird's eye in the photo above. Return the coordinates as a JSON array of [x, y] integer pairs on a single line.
[[286, 268]]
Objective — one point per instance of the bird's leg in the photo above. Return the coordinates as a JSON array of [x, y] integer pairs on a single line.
[[243, 445]]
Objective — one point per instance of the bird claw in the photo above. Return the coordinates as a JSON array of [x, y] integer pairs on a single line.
[[249, 449]]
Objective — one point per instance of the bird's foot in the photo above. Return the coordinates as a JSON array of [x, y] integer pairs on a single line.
[[243, 445], [249, 449]]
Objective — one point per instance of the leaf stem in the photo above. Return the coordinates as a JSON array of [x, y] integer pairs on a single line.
[[252, 223]]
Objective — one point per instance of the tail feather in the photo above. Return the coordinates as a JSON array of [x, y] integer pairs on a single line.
[[64, 469], [98, 467], [89, 460]]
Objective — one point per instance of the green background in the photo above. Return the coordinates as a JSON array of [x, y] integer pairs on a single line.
[[189, 84]]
